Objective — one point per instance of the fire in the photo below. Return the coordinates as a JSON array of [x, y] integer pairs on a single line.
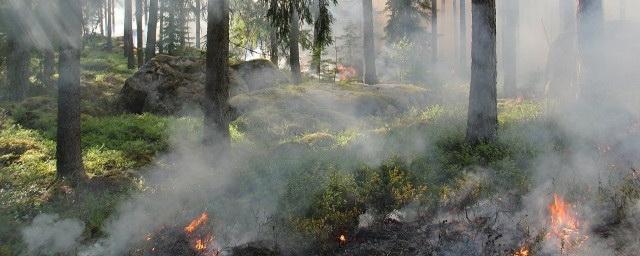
[[342, 239], [565, 225], [346, 72], [523, 251], [195, 223], [200, 245]]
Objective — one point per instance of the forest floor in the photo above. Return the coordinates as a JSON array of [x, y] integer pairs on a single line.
[[347, 162]]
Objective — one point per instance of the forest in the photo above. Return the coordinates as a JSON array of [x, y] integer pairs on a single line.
[[319, 127]]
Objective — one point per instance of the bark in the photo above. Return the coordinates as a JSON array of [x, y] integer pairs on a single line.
[[152, 29], [161, 25], [434, 30], [591, 50], [370, 76], [68, 150], [510, 47], [109, 29], [273, 38], [463, 37], [48, 69], [101, 17], [294, 48], [18, 61], [197, 14], [216, 104], [128, 34], [483, 114], [139, 32]]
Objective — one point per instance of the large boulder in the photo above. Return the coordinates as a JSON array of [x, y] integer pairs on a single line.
[[167, 84]]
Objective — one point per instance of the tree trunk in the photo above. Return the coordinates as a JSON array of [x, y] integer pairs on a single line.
[[152, 29], [128, 34], [140, 34], [101, 17], [273, 39], [18, 61], [161, 25], [370, 76], [197, 14], [109, 25], [463, 37], [510, 47], [434, 31], [216, 104], [591, 50], [294, 50], [68, 150], [483, 111], [48, 69]]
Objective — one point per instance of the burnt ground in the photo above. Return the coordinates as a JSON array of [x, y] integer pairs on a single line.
[[458, 237]]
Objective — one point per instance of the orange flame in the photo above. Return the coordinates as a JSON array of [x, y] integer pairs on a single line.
[[523, 251], [565, 225], [195, 223], [200, 245], [346, 72], [342, 239]]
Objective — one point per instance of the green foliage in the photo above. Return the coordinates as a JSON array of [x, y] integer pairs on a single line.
[[405, 17], [389, 187], [138, 137]]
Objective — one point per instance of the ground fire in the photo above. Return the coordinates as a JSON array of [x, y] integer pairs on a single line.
[[194, 239], [565, 227]]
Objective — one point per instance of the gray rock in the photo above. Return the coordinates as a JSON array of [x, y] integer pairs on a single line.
[[167, 84]]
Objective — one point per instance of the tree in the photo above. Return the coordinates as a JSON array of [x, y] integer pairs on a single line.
[[434, 30], [216, 106], [509, 46], [128, 34], [463, 37], [197, 10], [109, 25], [68, 150], [152, 29], [294, 44], [18, 50], [321, 31], [405, 19], [139, 32], [273, 36], [370, 76], [286, 17], [482, 123], [175, 26], [591, 50]]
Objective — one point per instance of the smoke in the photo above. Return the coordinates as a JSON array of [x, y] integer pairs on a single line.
[[50, 235], [580, 142]]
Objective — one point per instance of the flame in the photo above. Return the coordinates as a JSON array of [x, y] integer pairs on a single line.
[[346, 72], [565, 225], [195, 223], [523, 251], [342, 239], [200, 245]]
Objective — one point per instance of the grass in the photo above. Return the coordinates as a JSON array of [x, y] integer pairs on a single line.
[[368, 149]]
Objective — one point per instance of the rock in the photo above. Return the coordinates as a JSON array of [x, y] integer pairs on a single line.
[[167, 84]]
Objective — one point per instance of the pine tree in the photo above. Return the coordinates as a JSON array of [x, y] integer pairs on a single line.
[[370, 76], [139, 32], [482, 123], [152, 29], [216, 105], [68, 150], [128, 34]]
